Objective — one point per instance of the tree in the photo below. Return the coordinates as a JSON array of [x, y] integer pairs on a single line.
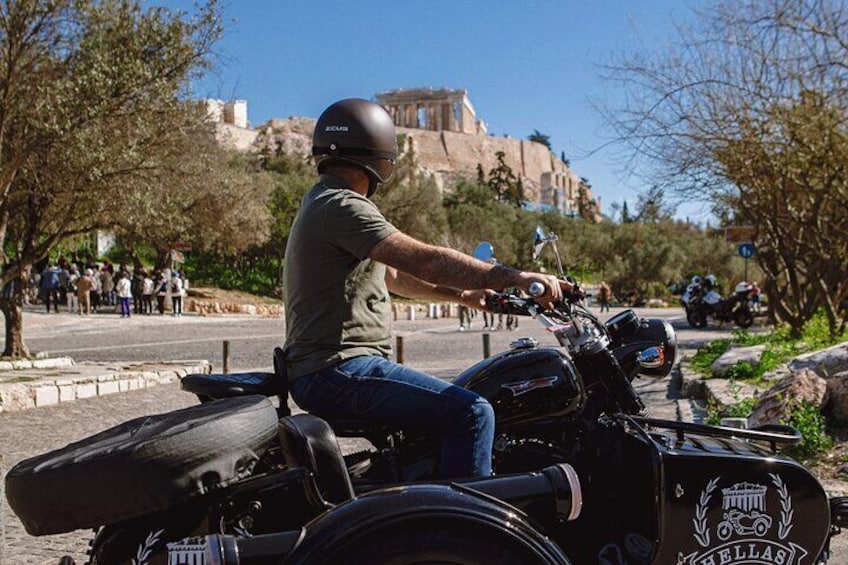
[[87, 89], [585, 206], [504, 183], [197, 192], [540, 137], [749, 111]]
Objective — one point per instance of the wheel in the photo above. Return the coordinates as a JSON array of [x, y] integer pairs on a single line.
[[724, 530], [743, 317], [142, 466], [696, 319], [437, 544], [761, 526]]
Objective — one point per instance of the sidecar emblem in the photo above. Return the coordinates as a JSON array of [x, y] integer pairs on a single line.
[[188, 551], [524, 387], [746, 532]]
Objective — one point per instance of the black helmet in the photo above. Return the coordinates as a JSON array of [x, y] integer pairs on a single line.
[[356, 132]]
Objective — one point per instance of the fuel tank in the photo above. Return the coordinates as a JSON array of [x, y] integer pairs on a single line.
[[527, 385]]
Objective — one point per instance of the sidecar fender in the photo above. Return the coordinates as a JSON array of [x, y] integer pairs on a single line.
[[327, 537]]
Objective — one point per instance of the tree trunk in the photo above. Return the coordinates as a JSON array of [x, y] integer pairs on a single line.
[[12, 305], [163, 259]]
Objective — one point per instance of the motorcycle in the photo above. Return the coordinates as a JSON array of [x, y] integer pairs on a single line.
[[582, 475], [701, 304]]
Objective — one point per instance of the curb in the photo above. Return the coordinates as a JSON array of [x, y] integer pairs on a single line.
[[47, 363], [101, 379]]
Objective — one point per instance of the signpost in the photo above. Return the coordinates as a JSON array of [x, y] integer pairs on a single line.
[[746, 251]]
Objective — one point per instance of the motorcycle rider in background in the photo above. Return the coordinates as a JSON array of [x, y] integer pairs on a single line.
[[342, 259]]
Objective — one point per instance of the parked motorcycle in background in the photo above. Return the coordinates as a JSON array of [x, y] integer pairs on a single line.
[[703, 302]]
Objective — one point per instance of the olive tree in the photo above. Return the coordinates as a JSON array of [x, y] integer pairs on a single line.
[[748, 110], [88, 88]]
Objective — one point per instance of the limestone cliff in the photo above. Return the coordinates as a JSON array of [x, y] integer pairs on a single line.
[[448, 155]]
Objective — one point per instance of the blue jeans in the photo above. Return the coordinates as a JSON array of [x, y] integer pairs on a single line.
[[376, 389]]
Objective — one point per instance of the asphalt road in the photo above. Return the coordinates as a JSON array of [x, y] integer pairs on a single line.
[[107, 337]]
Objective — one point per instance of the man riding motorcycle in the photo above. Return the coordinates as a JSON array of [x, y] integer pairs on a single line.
[[342, 259]]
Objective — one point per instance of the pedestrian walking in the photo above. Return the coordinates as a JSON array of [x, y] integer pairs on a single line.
[[147, 295], [604, 294], [123, 288], [161, 293], [176, 295], [137, 287], [50, 287], [107, 285], [71, 289], [488, 321], [86, 286], [464, 317]]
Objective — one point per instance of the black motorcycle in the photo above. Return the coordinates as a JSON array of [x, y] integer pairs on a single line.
[[581, 475], [736, 308]]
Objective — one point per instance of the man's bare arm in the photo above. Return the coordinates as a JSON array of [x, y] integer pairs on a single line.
[[449, 268], [408, 286], [440, 265]]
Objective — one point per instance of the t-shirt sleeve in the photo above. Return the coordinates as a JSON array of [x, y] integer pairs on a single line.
[[356, 225]]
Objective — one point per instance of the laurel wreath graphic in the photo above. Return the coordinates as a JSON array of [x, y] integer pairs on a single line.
[[786, 511], [702, 533], [146, 549]]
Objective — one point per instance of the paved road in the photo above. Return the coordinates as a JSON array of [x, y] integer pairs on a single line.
[[432, 345]]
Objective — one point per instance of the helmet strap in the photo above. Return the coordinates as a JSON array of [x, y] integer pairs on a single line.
[[372, 184]]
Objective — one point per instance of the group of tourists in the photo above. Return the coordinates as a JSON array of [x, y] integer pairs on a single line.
[[91, 287]]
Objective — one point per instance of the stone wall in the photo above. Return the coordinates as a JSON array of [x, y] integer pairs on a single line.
[[446, 155]]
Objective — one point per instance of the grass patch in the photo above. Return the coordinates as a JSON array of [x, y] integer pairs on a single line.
[[705, 356], [781, 346]]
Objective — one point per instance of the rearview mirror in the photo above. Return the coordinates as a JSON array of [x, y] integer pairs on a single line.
[[484, 252], [539, 241]]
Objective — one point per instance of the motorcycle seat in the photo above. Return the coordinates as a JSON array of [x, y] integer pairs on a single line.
[[308, 441], [219, 385]]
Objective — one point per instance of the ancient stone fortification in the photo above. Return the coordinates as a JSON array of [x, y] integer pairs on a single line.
[[449, 142]]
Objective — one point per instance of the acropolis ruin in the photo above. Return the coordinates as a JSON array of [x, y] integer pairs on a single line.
[[440, 109], [442, 128]]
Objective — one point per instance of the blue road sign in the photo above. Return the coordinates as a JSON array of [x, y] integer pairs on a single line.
[[747, 250]]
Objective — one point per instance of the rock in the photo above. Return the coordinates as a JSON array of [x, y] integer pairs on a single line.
[[837, 394], [736, 355], [773, 404], [826, 362]]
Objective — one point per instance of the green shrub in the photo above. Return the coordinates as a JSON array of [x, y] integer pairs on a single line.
[[742, 371], [703, 359], [807, 418]]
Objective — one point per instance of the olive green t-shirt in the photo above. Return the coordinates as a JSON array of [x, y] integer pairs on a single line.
[[337, 303]]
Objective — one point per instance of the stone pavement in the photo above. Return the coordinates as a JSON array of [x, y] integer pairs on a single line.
[[52, 381]]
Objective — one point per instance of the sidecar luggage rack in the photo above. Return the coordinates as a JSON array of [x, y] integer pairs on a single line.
[[774, 434]]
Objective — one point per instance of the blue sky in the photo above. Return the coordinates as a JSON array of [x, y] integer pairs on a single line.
[[526, 64]]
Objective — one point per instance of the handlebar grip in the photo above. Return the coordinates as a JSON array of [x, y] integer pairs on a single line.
[[536, 289]]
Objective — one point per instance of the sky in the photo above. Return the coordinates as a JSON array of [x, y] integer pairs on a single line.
[[527, 65]]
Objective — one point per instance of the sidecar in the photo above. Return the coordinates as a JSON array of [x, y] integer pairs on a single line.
[[664, 492], [649, 491]]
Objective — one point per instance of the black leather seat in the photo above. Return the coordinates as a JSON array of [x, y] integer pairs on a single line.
[[219, 385], [308, 441]]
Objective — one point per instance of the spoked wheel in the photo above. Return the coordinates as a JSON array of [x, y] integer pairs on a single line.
[[743, 317]]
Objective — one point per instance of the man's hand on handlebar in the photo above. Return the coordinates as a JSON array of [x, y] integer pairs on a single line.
[[476, 298], [554, 288]]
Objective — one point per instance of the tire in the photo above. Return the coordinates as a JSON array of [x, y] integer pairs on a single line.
[[142, 466], [743, 317], [437, 544], [696, 319]]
